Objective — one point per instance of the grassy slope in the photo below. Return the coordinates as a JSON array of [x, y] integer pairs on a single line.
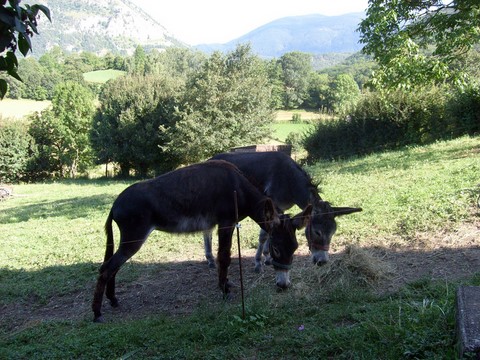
[[415, 189], [287, 115], [55, 230], [102, 76], [17, 109], [281, 130]]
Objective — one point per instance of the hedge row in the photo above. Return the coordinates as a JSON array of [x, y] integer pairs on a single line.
[[383, 122]]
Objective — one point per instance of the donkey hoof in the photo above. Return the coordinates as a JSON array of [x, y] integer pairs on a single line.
[[212, 265], [114, 302], [258, 268], [99, 319], [227, 296], [268, 261]]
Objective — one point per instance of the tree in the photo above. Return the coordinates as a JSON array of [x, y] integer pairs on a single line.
[[415, 42], [138, 61], [125, 129], [275, 76], [359, 65], [318, 91], [174, 62], [17, 25], [62, 134], [32, 73], [344, 94], [227, 104], [296, 70]]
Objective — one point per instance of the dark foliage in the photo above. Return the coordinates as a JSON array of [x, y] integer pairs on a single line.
[[15, 150], [383, 122]]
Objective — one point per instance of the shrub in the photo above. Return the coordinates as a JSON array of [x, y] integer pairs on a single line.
[[464, 111], [384, 121], [297, 118], [15, 150]]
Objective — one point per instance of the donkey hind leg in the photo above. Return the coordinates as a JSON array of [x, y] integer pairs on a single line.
[[207, 241], [262, 249], [110, 291], [107, 276]]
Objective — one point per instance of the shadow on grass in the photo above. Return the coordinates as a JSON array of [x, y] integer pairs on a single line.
[[64, 293], [71, 208]]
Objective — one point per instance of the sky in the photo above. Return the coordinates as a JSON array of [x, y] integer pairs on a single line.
[[219, 21]]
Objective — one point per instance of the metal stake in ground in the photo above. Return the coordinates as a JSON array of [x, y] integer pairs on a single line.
[[239, 254]]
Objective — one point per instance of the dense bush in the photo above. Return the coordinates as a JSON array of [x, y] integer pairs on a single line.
[[15, 150], [464, 112], [381, 122]]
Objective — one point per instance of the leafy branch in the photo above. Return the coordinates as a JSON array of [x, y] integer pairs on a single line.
[[17, 26], [417, 41]]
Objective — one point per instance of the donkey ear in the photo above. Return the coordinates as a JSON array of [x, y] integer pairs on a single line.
[[339, 211], [301, 220], [271, 216]]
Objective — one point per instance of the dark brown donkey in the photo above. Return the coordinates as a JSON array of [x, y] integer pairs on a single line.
[[287, 184], [194, 198]]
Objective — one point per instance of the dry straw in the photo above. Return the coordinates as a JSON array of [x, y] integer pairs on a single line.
[[354, 266]]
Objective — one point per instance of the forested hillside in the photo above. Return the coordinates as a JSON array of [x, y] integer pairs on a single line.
[[116, 26]]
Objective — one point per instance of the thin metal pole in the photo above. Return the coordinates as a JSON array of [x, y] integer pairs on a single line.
[[239, 254]]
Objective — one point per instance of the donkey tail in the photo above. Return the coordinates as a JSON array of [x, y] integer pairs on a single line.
[[109, 233]]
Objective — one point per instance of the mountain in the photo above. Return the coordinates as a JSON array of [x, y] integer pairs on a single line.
[[116, 26], [119, 26], [316, 34]]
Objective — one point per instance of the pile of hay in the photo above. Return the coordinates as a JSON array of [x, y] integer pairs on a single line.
[[354, 267]]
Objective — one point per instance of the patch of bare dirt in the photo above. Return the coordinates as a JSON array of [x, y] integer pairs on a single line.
[[178, 288], [445, 255]]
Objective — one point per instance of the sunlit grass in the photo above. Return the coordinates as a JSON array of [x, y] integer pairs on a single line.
[[402, 192], [17, 109], [102, 76]]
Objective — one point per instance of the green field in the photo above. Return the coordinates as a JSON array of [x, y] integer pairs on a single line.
[[363, 305], [283, 125], [281, 130], [17, 109], [102, 76], [305, 115]]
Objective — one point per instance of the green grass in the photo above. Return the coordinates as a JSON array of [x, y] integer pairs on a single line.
[[305, 115], [102, 76], [52, 242], [17, 109], [405, 191], [283, 125], [281, 130]]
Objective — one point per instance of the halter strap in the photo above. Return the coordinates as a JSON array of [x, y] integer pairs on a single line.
[[311, 244], [281, 266], [320, 247]]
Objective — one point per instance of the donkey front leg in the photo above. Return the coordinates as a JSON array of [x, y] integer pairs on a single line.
[[263, 240], [224, 258]]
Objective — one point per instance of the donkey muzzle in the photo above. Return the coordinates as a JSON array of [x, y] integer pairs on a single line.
[[282, 279], [320, 257]]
